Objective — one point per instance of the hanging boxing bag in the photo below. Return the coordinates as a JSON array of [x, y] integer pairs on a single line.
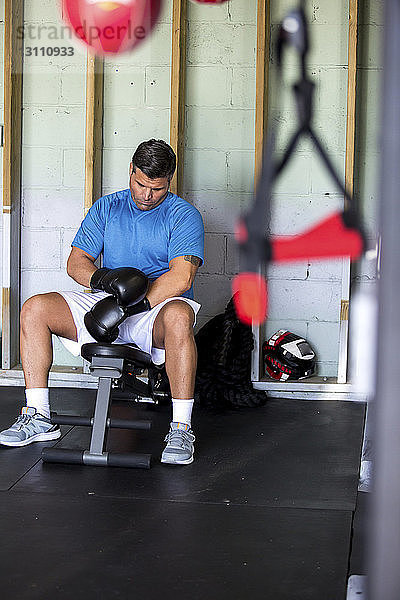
[[111, 27]]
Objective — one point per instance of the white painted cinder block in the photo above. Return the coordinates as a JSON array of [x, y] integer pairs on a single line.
[[127, 128], [329, 45], [213, 292], [201, 12], [41, 87], [321, 181], [291, 271], [157, 87], [207, 86], [46, 207], [214, 253], [124, 86], [41, 167], [324, 338], [243, 12], [328, 125], [73, 84], [41, 282], [116, 168], [217, 43], [304, 300], [296, 179], [54, 126], [292, 214], [232, 255], [74, 168], [240, 171], [42, 10], [40, 249], [197, 172], [332, 13], [220, 129], [327, 270], [243, 89], [220, 210], [331, 85]]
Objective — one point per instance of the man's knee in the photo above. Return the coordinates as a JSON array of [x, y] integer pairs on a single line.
[[49, 310], [178, 314], [177, 318], [34, 308]]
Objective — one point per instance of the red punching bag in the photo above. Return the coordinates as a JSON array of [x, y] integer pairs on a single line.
[[111, 27]]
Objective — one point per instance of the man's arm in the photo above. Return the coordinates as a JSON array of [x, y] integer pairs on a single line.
[[176, 281], [80, 266]]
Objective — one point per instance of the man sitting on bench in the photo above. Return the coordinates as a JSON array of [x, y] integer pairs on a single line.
[[158, 233]]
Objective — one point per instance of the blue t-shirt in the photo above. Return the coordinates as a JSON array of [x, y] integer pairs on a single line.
[[147, 240]]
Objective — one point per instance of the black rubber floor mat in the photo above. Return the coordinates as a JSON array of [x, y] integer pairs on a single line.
[[289, 453], [102, 548], [16, 462]]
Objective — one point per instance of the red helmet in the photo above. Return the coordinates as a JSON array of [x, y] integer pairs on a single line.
[[288, 356]]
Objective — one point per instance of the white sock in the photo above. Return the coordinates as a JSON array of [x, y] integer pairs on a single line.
[[39, 398], [182, 410]]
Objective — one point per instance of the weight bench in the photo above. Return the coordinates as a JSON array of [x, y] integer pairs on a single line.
[[117, 367]]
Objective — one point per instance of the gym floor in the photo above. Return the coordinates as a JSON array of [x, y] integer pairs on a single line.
[[266, 511]]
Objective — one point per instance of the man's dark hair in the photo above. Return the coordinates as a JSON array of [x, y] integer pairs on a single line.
[[155, 158]]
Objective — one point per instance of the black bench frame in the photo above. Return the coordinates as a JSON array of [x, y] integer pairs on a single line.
[[116, 366]]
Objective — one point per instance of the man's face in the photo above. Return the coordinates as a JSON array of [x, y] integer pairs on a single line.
[[147, 193]]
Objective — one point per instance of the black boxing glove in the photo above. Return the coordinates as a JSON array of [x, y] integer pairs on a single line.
[[104, 318], [127, 284], [138, 307]]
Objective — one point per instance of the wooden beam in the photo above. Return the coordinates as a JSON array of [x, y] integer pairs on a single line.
[[349, 182], [351, 95], [94, 129], [262, 64], [261, 109], [13, 63], [178, 64]]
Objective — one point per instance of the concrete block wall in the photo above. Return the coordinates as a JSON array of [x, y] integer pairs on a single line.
[[52, 154], [219, 149], [219, 141], [136, 101], [305, 297]]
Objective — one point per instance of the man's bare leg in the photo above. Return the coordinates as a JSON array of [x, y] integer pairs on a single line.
[[173, 330], [41, 316]]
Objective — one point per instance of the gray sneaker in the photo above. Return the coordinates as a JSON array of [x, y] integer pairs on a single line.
[[179, 449], [30, 427]]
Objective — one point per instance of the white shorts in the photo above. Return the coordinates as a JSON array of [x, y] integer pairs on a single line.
[[137, 328]]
